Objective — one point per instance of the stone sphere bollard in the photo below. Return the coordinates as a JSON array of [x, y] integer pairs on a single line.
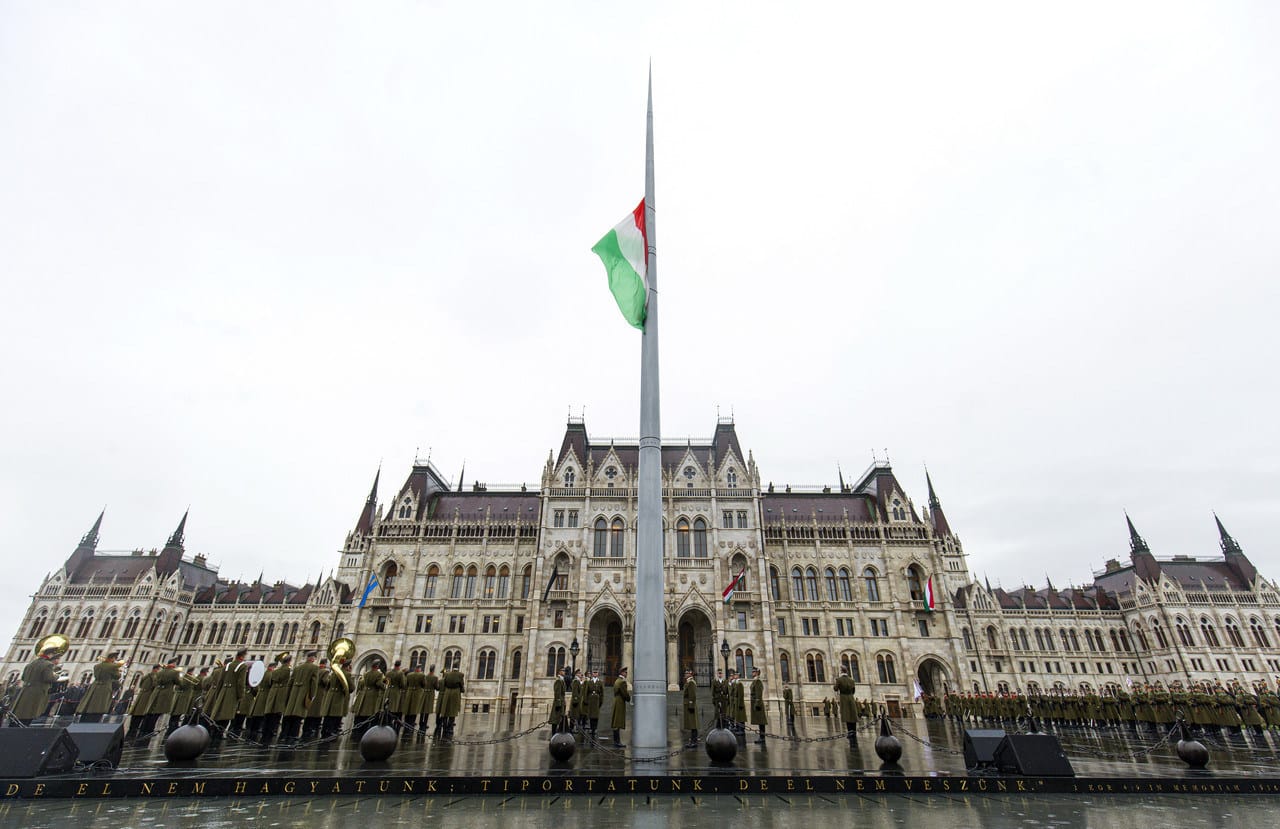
[[186, 743], [1191, 751], [378, 743], [888, 747], [562, 746], [722, 745]]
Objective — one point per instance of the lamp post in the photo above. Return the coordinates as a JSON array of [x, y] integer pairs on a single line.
[[573, 652], [724, 653]]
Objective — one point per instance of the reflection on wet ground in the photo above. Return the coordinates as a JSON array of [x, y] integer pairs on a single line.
[[1001, 812]]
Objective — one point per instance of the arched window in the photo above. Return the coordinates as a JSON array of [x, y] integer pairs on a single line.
[[1255, 628], [37, 625], [515, 664], [200, 630], [433, 576], [1210, 635], [490, 582], [188, 633], [682, 538], [406, 511], [849, 662], [1184, 632], [555, 660], [1142, 637], [736, 567], [1066, 642], [829, 580], [797, 585], [873, 585], [1013, 638], [64, 621], [1115, 641], [1049, 643], [1233, 633], [774, 590], [699, 538], [600, 538], [262, 631], [417, 659], [816, 670], [485, 664], [389, 573], [561, 569], [615, 538], [745, 661], [504, 582], [1039, 640], [915, 583], [271, 632], [526, 581], [732, 477], [1088, 638], [459, 577], [315, 634], [155, 625], [453, 660], [1158, 631], [992, 642], [885, 669], [108, 626], [968, 639], [293, 634], [213, 633], [784, 666], [811, 584], [846, 589], [570, 477], [472, 575], [1124, 640]]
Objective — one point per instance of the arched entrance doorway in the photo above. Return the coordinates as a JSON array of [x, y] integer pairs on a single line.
[[604, 644], [695, 649], [933, 677]]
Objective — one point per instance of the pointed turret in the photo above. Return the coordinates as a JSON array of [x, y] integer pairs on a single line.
[[179, 534], [840, 475], [1144, 564], [90, 539], [461, 475], [85, 549], [365, 524], [171, 555], [1136, 542], [1234, 555], [940, 525]]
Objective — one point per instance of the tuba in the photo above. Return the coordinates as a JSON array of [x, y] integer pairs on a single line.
[[341, 650], [55, 642], [280, 656]]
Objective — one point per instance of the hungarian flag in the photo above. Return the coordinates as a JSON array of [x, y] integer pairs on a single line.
[[625, 253], [728, 591], [928, 595]]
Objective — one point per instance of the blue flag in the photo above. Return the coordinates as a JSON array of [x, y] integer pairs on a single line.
[[373, 582]]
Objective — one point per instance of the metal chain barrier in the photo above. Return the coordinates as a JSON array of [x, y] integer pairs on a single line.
[[926, 743]]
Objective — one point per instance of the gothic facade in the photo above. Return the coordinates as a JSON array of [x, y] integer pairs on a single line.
[[510, 584]]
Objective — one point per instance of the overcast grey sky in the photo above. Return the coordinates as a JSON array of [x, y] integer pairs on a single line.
[[248, 250]]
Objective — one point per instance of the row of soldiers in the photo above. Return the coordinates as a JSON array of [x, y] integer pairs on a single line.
[[1201, 704], [730, 698], [585, 698], [409, 695]]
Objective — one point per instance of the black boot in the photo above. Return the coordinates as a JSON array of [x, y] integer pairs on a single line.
[[760, 739], [693, 738], [617, 743]]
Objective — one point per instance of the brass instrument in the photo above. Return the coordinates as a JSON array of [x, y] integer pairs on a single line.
[[280, 656], [341, 650], [55, 642]]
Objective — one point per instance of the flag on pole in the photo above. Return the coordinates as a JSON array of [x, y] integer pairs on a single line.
[[373, 582], [728, 591], [625, 253], [919, 691], [555, 571], [928, 595]]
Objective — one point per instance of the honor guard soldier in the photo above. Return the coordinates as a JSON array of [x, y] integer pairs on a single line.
[[845, 688], [719, 698], [163, 694], [96, 703], [450, 701], [789, 708], [188, 687], [431, 689], [415, 686], [141, 704], [737, 703], [373, 686], [689, 718], [337, 700], [37, 678], [593, 700], [233, 687], [759, 714], [557, 717], [578, 700], [325, 712], [618, 717], [395, 693], [255, 705], [277, 698], [302, 690]]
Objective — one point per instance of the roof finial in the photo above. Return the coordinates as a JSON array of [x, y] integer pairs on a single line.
[[1229, 545], [175, 540], [1136, 542], [90, 539], [840, 475], [462, 474]]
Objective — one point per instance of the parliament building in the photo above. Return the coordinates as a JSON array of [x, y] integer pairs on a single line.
[[511, 584]]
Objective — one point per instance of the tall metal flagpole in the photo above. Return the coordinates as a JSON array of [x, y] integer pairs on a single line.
[[650, 682]]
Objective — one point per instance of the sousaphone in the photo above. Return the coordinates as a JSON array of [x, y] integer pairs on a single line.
[[55, 642], [340, 650]]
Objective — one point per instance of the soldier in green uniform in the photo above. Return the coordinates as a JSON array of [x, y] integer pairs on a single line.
[[431, 689], [141, 704], [96, 703], [163, 693], [557, 703], [1247, 705], [369, 698], [450, 701], [1270, 704], [789, 708], [37, 678], [336, 701], [395, 692], [737, 703], [594, 699], [297, 696], [256, 704], [415, 686], [277, 698], [689, 714], [188, 686], [759, 714], [719, 698], [209, 689], [578, 701], [845, 689], [233, 687], [618, 716]]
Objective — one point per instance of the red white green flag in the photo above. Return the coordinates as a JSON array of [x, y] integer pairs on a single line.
[[728, 591], [625, 253], [928, 594]]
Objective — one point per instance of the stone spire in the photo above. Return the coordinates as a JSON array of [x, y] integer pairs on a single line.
[[940, 525], [367, 515]]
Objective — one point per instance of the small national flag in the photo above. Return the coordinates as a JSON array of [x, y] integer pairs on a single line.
[[919, 691], [625, 253], [555, 571], [728, 591], [373, 582], [928, 595]]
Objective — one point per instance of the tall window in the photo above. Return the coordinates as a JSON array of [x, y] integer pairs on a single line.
[[682, 538], [417, 660], [504, 582], [453, 660], [1184, 632], [455, 589], [1210, 635], [1255, 628], [885, 669], [315, 633], [784, 666], [797, 585], [64, 621], [829, 578], [811, 582], [872, 583], [600, 538], [569, 478], [433, 575], [389, 573], [849, 662], [485, 663], [732, 477], [1233, 633], [108, 626], [515, 664], [915, 583], [816, 670], [846, 589], [490, 582], [615, 538], [1158, 631], [968, 639], [739, 565], [744, 661], [526, 579], [37, 626], [555, 660], [472, 574], [699, 538], [774, 591]]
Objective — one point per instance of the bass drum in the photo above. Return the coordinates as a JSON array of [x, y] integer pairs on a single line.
[[257, 670]]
